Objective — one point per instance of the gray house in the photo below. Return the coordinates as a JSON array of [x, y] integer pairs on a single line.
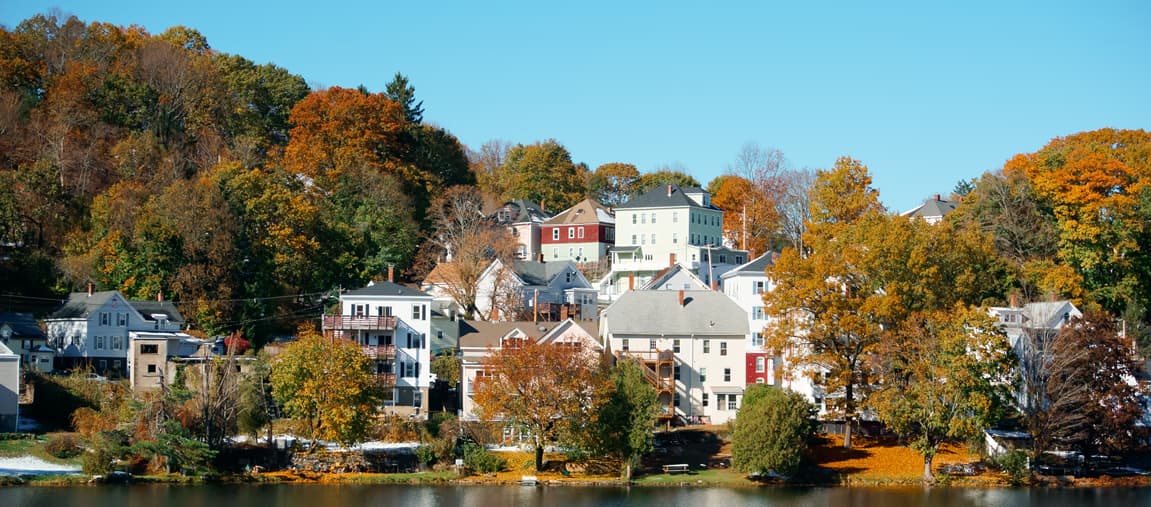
[[9, 389]]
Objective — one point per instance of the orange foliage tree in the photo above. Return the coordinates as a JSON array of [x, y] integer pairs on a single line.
[[543, 388]]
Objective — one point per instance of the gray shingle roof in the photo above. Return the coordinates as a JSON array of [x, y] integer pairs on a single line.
[[659, 313], [477, 334], [540, 273], [79, 304], [756, 265], [386, 289], [149, 308], [933, 207], [658, 198], [23, 326], [519, 211]]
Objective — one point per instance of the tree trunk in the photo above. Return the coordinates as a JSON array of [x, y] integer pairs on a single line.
[[847, 432], [539, 458], [927, 477]]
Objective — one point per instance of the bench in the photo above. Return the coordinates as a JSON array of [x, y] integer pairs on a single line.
[[680, 468]]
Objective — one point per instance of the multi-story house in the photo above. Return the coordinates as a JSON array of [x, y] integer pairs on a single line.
[[23, 336], [478, 339], [392, 325], [524, 289], [667, 225], [151, 354], [692, 345], [93, 329], [524, 220], [582, 233], [932, 210]]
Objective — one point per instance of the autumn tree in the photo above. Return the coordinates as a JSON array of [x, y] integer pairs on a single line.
[[648, 181], [945, 378], [1075, 390], [486, 162], [328, 384], [611, 184], [772, 431], [542, 388], [543, 172]]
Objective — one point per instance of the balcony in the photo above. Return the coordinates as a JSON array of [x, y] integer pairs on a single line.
[[358, 323], [379, 351], [650, 355]]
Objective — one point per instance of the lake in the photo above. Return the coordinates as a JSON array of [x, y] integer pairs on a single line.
[[286, 495]]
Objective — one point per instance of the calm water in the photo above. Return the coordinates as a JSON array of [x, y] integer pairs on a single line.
[[485, 496]]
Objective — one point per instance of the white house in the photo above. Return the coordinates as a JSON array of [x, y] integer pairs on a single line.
[[479, 339], [23, 336], [550, 291], [9, 389], [691, 342], [92, 329], [392, 325]]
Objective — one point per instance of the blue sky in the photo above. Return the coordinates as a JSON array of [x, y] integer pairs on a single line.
[[923, 93]]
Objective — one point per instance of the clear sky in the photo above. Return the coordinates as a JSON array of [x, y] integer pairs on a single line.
[[925, 93]]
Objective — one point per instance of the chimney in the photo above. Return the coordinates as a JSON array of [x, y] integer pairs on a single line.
[[563, 313], [714, 285], [391, 272], [1014, 301], [540, 257], [89, 289], [681, 298], [160, 296], [671, 260], [631, 281], [937, 197], [669, 189]]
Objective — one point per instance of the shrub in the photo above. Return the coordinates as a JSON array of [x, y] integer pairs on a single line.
[[478, 459], [1014, 464], [63, 445]]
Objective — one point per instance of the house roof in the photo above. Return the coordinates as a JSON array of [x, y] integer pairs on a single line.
[[757, 266], [659, 197], [387, 289], [519, 211], [933, 207], [668, 273], [540, 273], [477, 334], [5, 351], [586, 211], [659, 313], [23, 325], [1041, 315], [150, 309]]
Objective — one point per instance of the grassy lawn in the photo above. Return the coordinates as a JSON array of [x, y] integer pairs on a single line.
[[720, 477], [18, 447]]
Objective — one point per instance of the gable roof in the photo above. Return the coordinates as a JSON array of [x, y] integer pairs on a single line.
[[150, 309], [477, 334], [541, 273], [705, 313], [80, 305], [519, 211], [387, 289], [659, 197], [668, 273], [586, 211], [756, 266], [23, 325]]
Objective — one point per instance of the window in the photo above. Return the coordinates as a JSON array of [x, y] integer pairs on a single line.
[[116, 364], [675, 373], [121, 319], [555, 233], [384, 311], [151, 368], [739, 259], [643, 239], [99, 342], [723, 258], [571, 232], [759, 380], [103, 364], [625, 346], [149, 348], [417, 312], [675, 346], [674, 238], [703, 400], [707, 346], [581, 232], [571, 252], [653, 238], [723, 348], [555, 253], [719, 401], [727, 374], [702, 375], [757, 339], [759, 286], [569, 276], [633, 240], [104, 318], [358, 310], [579, 252], [642, 218], [732, 402], [117, 342], [653, 218], [760, 364], [675, 217], [757, 313], [677, 399], [633, 218], [651, 344]]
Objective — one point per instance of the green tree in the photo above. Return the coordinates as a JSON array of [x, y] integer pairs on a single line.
[[404, 94], [329, 384], [543, 172], [446, 368], [623, 427], [648, 181], [772, 431], [945, 377]]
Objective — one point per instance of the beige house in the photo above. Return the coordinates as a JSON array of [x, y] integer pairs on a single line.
[[151, 356], [9, 389]]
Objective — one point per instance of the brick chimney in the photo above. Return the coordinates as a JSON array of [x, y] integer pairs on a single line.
[[937, 197], [540, 257], [714, 285], [1014, 301], [681, 298], [391, 272], [631, 281], [160, 296], [669, 189], [90, 289], [563, 313], [671, 259]]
